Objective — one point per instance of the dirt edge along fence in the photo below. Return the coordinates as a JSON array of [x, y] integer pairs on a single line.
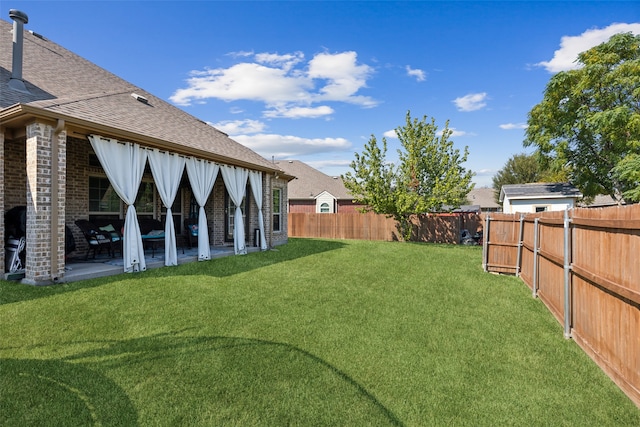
[[583, 265], [436, 228]]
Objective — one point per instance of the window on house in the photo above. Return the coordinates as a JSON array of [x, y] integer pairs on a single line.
[[230, 215], [145, 201], [277, 209], [103, 199], [104, 202], [324, 208], [176, 211], [541, 208]]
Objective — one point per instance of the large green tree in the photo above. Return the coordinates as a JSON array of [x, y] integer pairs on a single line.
[[589, 119], [429, 175]]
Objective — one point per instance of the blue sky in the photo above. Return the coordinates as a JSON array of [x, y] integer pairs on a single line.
[[313, 81]]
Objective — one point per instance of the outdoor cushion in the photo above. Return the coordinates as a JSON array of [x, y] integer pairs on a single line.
[[111, 230], [154, 234]]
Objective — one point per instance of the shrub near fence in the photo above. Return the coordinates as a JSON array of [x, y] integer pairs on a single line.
[[583, 264], [439, 228]]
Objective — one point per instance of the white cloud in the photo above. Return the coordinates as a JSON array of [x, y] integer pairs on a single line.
[[570, 46], [244, 81], [236, 127], [390, 134], [283, 82], [344, 77], [471, 102], [298, 112], [417, 73], [288, 146], [509, 126], [286, 62], [455, 133]]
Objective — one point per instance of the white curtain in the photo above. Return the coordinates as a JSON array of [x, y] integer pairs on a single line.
[[202, 176], [167, 172], [255, 178], [235, 179], [124, 165]]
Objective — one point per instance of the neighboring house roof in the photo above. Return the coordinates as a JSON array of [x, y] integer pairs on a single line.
[[483, 197], [600, 201], [63, 85], [539, 191], [310, 183]]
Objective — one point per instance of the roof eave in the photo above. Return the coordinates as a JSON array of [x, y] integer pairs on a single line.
[[23, 112]]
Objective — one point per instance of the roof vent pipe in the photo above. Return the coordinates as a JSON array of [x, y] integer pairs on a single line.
[[19, 19]]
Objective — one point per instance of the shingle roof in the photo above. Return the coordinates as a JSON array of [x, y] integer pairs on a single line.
[[539, 190], [483, 197], [310, 182], [63, 84]]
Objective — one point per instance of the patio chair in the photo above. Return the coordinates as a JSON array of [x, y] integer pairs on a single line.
[[96, 238], [191, 231]]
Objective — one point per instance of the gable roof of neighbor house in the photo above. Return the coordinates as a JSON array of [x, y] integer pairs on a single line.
[[539, 191], [310, 182], [483, 197], [63, 85]]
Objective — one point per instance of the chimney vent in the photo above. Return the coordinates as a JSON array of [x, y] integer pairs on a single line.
[[19, 19]]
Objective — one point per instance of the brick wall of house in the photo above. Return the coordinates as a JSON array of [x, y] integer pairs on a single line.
[[302, 206], [15, 174], [347, 206], [2, 190], [44, 263], [281, 237]]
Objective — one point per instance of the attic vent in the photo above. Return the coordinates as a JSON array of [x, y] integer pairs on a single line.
[[140, 98]]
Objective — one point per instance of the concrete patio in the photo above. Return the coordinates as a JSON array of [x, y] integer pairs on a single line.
[[103, 265]]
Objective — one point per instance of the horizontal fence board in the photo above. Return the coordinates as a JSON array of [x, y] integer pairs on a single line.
[[438, 228]]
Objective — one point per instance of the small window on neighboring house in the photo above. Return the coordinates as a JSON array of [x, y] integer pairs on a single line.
[[541, 208], [277, 209], [324, 208]]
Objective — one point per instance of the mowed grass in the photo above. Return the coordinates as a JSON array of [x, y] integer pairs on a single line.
[[315, 333]]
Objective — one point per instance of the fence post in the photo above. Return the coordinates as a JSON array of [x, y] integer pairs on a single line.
[[567, 275], [485, 245], [534, 285], [519, 253]]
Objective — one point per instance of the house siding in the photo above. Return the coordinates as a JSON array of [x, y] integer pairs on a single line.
[[529, 205]]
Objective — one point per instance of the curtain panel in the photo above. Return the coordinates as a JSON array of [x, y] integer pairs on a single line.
[[255, 178], [167, 172], [202, 176], [235, 180], [124, 165]]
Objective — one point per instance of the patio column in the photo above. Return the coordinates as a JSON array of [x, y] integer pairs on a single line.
[[46, 190]]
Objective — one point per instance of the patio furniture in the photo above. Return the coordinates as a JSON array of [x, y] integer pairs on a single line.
[[96, 238], [152, 233], [191, 231]]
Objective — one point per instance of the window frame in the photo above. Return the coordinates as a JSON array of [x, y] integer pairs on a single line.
[[276, 210]]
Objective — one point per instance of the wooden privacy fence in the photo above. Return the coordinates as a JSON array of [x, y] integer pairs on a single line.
[[440, 228], [584, 265]]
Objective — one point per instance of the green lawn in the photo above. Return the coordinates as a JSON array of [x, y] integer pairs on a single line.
[[327, 333]]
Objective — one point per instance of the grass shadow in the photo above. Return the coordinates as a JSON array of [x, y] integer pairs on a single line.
[[230, 381], [56, 393]]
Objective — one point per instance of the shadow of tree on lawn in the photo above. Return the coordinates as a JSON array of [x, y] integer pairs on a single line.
[[171, 380]]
